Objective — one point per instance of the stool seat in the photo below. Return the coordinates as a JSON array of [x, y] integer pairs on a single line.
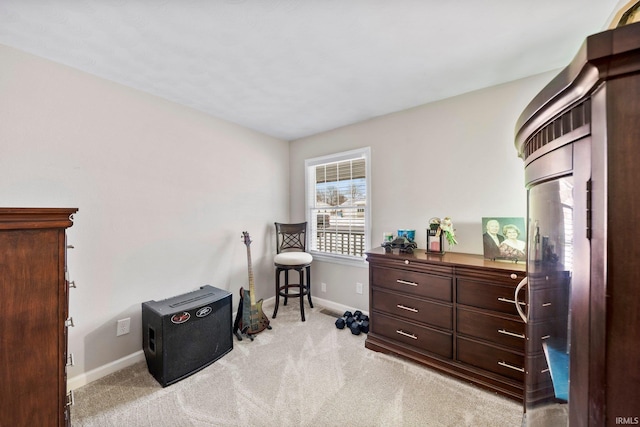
[[293, 258]]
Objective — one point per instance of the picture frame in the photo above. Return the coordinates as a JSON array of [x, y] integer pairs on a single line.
[[504, 238]]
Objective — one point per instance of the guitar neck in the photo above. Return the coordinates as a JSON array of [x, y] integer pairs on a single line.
[[252, 295]]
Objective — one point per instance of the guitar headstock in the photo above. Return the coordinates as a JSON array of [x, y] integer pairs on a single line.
[[246, 238]]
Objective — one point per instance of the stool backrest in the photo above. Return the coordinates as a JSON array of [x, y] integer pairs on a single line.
[[291, 237]]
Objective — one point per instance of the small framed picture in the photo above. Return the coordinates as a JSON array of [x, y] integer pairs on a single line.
[[504, 238]]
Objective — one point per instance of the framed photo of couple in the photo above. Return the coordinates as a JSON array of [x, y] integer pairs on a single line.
[[504, 238]]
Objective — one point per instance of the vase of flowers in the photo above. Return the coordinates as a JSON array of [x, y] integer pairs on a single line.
[[440, 229]]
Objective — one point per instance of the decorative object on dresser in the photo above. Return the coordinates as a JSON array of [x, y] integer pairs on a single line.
[[34, 290], [402, 244], [579, 142], [437, 231], [504, 238], [452, 312]]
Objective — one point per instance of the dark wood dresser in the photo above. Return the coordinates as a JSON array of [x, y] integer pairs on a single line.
[[453, 312], [34, 316]]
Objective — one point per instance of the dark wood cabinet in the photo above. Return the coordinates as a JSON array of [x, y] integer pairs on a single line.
[[34, 315], [452, 312], [580, 134]]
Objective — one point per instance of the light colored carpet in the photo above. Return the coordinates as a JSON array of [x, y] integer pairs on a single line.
[[297, 374]]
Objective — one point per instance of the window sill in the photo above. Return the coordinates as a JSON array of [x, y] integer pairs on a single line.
[[340, 259]]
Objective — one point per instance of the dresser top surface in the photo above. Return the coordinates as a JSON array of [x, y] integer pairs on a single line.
[[448, 258]]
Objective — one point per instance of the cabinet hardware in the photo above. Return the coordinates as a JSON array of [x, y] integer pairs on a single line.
[[70, 361], [70, 399], [545, 337], [69, 322], [70, 247], [544, 371], [513, 334], [510, 301], [514, 276], [404, 282], [506, 365], [403, 333], [546, 304], [72, 284], [406, 261], [413, 310], [521, 285]]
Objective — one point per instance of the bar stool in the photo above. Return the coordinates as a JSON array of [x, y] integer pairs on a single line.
[[292, 255]]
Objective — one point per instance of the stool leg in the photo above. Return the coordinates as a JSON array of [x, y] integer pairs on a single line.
[[301, 293], [286, 286], [275, 310], [309, 285]]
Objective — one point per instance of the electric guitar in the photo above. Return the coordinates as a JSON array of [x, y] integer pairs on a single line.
[[250, 319]]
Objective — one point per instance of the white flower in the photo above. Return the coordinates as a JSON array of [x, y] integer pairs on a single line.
[[446, 226]]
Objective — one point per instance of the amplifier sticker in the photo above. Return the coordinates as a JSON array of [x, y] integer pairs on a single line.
[[204, 311], [180, 317]]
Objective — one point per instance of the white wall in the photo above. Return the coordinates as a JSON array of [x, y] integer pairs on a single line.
[[454, 158], [164, 193]]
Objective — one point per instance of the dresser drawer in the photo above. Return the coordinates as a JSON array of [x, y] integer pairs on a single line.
[[497, 330], [548, 303], [485, 295], [502, 362], [411, 334], [537, 371], [412, 282], [541, 331], [413, 309]]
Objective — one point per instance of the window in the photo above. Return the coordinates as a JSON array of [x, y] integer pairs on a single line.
[[338, 202]]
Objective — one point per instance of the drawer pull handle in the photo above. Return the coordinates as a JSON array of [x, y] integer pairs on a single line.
[[546, 304], [545, 337], [510, 301], [506, 365], [513, 334], [69, 322], [70, 399], [72, 284], [403, 333], [522, 284], [70, 361], [404, 282], [544, 371], [404, 307]]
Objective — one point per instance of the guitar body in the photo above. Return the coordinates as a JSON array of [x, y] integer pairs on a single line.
[[250, 319], [253, 318]]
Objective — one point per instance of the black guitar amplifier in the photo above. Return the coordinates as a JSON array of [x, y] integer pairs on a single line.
[[186, 333]]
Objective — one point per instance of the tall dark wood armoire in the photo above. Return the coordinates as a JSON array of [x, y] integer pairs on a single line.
[[34, 316], [580, 142]]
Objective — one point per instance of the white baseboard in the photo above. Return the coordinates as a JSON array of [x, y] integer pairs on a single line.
[[325, 303], [340, 308], [104, 370]]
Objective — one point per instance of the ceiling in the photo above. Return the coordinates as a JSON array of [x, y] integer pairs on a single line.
[[293, 68]]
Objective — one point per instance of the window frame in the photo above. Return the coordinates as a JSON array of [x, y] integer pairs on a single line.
[[310, 182]]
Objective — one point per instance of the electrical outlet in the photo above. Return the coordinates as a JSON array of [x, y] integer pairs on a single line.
[[124, 326], [358, 288], [323, 287]]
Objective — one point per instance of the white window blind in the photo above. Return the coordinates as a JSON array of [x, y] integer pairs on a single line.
[[338, 203]]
